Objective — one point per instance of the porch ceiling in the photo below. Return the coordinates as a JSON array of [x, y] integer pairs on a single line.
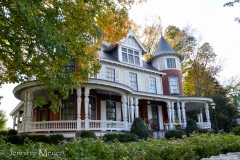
[[191, 106]]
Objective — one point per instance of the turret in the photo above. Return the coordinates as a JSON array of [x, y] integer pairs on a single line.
[[166, 60]]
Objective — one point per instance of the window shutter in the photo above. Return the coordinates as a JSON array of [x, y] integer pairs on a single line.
[[139, 82], [158, 85], [127, 78], [118, 111], [116, 75], [103, 72], [147, 83], [103, 110]]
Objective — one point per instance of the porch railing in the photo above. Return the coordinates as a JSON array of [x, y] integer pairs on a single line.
[[204, 125], [102, 125], [53, 125]]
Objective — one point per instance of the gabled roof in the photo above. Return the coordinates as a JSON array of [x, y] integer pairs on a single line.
[[130, 34], [163, 48]]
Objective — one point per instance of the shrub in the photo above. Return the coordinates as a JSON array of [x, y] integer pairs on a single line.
[[12, 139], [55, 138], [236, 130], [191, 126], [3, 133], [139, 128], [38, 138], [110, 137], [120, 137], [12, 132], [88, 134], [174, 133]]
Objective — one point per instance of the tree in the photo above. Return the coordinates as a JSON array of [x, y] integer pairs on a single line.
[[233, 87], [3, 120], [149, 32], [225, 112], [231, 4], [38, 39]]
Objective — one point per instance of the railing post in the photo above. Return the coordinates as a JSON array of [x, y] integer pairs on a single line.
[[86, 100], [79, 101]]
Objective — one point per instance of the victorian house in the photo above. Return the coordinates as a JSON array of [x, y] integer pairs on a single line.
[[126, 87]]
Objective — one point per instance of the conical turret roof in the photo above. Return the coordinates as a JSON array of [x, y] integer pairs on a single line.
[[164, 48]]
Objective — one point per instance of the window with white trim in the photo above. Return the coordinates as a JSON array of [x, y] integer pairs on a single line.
[[171, 63], [133, 81], [92, 108], [130, 56], [111, 112], [173, 85], [110, 74], [152, 85], [70, 67], [67, 110]]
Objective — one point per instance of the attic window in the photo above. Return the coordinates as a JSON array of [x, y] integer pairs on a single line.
[[130, 56]]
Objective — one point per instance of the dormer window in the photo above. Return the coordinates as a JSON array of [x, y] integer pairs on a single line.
[[130, 56], [171, 63]]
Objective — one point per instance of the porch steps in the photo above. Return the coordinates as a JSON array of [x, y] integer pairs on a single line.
[[228, 156]]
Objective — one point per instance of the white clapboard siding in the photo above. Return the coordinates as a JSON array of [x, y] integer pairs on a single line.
[[158, 85], [127, 78], [147, 83], [139, 78], [103, 72], [116, 75]]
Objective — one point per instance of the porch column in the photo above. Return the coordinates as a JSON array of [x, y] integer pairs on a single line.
[[169, 115], [136, 108], [173, 115], [86, 102], [124, 110], [14, 121], [184, 115], [132, 109], [29, 110], [201, 117], [198, 117], [207, 112], [18, 119], [24, 116], [179, 113], [79, 101]]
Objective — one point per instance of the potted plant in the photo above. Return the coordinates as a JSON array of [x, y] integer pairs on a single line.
[[110, 103]]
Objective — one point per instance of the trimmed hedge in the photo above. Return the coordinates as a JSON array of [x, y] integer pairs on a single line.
[[88, 134], [51, 139], [120, 137], [173, 133], [194, 147]]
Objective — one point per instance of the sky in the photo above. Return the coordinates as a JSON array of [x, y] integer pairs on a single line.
[[215, 23]]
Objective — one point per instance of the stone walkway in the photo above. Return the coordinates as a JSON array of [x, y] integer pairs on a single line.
[[228, 156]]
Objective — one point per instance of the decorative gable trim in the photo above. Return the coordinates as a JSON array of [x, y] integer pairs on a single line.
[[131, 34]]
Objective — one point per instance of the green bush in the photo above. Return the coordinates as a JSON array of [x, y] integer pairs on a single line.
[[12, 139], [55, 138], [236, 130], [191, 126], [173, 133], [139, 128], [120, 137], [12, 132], [38, 138], [88, 134], [3, 133]]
